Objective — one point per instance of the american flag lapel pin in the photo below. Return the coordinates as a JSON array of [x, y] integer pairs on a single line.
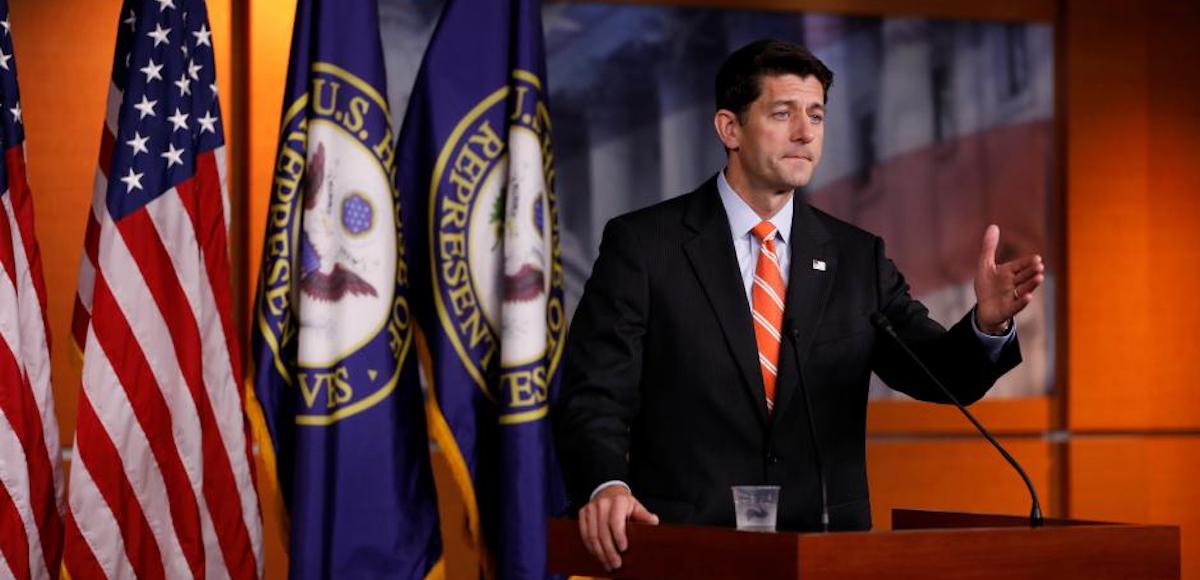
[[819, 265]]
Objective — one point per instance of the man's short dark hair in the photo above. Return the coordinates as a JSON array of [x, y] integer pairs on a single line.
[[738, 80]]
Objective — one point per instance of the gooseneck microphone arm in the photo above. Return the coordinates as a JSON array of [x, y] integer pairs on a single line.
[[1035, 513], [792, 333]]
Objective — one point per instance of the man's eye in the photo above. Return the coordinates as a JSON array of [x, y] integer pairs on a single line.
[[816, 119], [781, 114]]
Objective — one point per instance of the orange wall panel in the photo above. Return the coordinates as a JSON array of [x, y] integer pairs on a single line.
[[1110, 339], [270, 31], [1174, 193], [1132, 131], [955, 474], [1027, 415], [1140, 479]]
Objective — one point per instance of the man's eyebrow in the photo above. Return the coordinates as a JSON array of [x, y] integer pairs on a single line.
[[793, 103]]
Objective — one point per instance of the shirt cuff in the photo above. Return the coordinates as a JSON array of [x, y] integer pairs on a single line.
[[992, 344], [606, 485]]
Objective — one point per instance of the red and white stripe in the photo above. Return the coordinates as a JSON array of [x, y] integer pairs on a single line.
[[162, 484], [766, 303], [31, 490]]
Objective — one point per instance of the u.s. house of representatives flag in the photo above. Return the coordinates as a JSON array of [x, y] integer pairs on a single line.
[[30, 473], [477, 179], [336, 372], [161, 485]]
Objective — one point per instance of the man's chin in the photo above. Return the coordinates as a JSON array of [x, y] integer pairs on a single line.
[[794, 182], [802, 178], [795, 179]]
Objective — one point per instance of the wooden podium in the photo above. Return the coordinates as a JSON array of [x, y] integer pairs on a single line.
[[922, 544]]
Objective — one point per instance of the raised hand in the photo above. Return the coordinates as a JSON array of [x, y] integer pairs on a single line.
[[1003, 290]]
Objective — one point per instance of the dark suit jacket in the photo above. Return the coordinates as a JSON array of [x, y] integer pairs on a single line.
[[662, 388]]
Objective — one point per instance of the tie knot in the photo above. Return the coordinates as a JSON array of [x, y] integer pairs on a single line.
[[764, 231]]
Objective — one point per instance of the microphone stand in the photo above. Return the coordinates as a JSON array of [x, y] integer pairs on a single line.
[[812, 431], [1035, 512]]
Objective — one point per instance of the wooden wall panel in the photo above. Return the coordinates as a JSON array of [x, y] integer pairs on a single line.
[[964, 474], [1107, 210], [270, 30], [1132, 124], [1132, 130], [1140, 479], [1174, 191], [1029, 415]]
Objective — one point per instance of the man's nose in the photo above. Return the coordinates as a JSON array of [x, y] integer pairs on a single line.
[[804, 130]]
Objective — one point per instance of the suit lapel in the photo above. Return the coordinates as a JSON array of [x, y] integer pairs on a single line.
[[813, 264], [713, 258]]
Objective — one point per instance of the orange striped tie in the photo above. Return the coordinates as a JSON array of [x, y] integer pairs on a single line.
[[767, 295]]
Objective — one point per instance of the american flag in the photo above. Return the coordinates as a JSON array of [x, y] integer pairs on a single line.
[[30, 471], [162, 481]]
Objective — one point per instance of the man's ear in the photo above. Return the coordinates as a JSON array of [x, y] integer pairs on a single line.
[[728, 128]]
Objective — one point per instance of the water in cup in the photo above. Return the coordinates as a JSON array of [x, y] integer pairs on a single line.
[[756, 507]]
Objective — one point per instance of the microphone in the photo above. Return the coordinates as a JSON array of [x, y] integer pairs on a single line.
[[793, 334], [1035, 512]]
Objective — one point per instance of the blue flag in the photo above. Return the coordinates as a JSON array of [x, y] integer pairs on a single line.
[[477, 180], [336, 375]]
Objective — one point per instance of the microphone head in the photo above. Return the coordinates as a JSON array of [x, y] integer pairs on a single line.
[[878, 320]]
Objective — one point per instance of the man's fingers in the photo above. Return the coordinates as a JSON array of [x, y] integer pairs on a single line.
[[616, 523], [1021, 298], [1025, 275], [598, 531], [1025, 264], [987, 253], [617, 511], [585, 531], [603, 528], [592, 539], [1022, 272], [643, 516], [1027, 287]]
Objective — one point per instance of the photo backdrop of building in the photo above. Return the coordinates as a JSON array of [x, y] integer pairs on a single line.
[[934, 129]]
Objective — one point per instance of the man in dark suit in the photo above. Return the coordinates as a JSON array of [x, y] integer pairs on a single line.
[[715, 324]]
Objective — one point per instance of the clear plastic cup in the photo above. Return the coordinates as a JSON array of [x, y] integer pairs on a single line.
[[756, 507]]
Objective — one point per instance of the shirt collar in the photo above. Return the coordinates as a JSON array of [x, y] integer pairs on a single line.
[[742, 217]]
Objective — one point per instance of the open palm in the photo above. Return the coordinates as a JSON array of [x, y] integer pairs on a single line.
[[1002, 290]]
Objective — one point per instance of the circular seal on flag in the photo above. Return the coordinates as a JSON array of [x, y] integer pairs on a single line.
[[498, 275], [334, 250], [348, 265]]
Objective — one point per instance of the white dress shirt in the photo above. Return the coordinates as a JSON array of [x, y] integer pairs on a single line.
[[742, 219]]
